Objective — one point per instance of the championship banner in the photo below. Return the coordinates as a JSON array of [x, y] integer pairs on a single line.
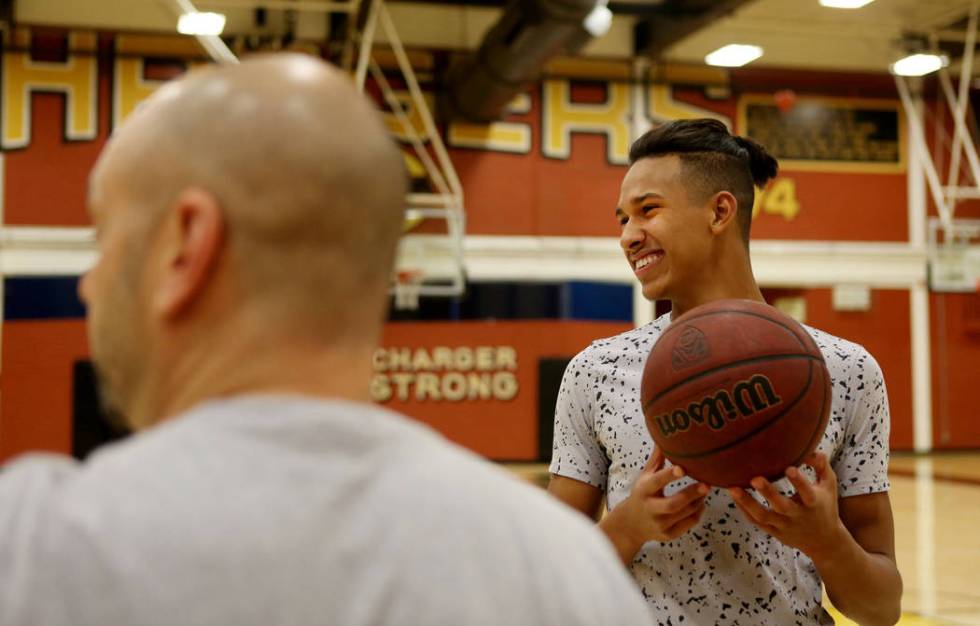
[[827, 134]]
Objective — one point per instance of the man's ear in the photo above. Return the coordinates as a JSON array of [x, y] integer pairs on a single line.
[[724, 212], [190, 243]]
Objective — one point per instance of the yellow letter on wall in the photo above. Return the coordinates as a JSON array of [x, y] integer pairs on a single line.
[[562, 117], [497, 136], [129, 86], [661, 107], [76, 78]]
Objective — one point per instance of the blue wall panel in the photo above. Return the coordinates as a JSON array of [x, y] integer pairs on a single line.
[[45, 297]]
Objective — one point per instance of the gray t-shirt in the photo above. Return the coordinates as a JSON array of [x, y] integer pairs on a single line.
[[724, 570], [282, 510]]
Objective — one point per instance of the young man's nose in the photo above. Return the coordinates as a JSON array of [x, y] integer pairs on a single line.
[[631, 237]]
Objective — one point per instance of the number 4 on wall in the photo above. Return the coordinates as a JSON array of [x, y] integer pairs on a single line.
[[779, 198]]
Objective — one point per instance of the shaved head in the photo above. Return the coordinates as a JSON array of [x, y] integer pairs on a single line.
[[311, 185], [308, 186]]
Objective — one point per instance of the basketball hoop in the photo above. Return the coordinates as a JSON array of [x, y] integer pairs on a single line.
[[954, 262], [408, 286]]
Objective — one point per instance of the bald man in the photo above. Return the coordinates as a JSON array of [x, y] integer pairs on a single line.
[[247, 219]]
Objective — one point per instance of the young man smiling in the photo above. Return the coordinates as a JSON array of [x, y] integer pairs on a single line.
[[712, 556], [247, 220]]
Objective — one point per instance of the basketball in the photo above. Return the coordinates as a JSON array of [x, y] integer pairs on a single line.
[[735, 389]]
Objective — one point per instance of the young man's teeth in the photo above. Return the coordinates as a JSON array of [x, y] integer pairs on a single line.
[[647, 260]]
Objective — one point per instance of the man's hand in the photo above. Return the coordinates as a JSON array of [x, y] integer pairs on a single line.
[[808, 521], [648, 515], [861, 546]]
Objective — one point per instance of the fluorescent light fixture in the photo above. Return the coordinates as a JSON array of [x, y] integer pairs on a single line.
[[845, 4], [201, 23], [733, 55], [599, 19], [919, 64]]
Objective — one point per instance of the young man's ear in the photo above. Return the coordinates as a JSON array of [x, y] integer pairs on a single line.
[[724, 211]]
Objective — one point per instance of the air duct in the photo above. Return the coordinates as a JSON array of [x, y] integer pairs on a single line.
[[516, 49]]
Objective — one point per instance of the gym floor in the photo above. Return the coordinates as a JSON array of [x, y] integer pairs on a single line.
[[936, 501]]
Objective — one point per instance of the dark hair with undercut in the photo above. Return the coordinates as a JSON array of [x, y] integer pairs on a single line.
[[712, 160]]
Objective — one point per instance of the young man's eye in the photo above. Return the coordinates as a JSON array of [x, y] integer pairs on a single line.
[[649, 207]]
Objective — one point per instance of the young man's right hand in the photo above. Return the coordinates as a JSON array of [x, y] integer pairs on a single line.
[[648, 515]]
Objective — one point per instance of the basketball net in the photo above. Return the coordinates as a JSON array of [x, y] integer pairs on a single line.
[[408, 286]]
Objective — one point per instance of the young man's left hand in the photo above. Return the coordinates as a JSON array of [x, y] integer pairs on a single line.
[[809, 520]]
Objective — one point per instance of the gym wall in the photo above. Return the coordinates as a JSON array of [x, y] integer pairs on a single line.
[[552, 168]]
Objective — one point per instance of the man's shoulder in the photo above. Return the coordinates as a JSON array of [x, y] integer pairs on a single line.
[[841, 355], [633, 341], [463, 510], [413, 503], [471, 487], [371, 457], [506, 518], [32, 477]]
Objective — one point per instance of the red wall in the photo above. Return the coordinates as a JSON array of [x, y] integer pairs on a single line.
[[955, 321], [520, 194], [36, 384], [885, 331], [498, 429], [38, 359]]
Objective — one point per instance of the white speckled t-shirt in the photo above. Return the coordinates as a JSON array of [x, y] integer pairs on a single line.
[[724, 570]]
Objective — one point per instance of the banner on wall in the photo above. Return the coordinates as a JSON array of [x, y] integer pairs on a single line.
[[445, 374], [828, 134], [479, 382]]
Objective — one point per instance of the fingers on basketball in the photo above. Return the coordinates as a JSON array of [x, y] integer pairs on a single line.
[[820, 463], [805, 493], [654, 461]]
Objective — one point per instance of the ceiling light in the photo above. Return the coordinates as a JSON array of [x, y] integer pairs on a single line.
[[919, 64], [733, 55], [845, 4], [599, 19], [201, 23]]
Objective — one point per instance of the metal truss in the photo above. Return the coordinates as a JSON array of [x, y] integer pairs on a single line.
[[438, 257], [952, 253], [946, 196]]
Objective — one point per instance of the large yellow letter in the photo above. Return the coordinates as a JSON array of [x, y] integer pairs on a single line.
[[562, 117], [76, 78], [661, 107], [129, 85], [496, 136]]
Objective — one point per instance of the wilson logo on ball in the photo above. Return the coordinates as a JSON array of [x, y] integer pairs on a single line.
[[747, 398]]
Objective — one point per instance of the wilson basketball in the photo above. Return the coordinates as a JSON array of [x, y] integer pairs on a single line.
[[735, 389]]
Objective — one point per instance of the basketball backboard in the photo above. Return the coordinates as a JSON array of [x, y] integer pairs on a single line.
[[954, 256]]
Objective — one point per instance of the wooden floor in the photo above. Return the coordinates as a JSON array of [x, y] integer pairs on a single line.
[[936, 500]]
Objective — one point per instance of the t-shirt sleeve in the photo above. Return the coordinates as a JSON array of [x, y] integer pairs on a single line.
[[27, 487], [576, 450], [862, 464]]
